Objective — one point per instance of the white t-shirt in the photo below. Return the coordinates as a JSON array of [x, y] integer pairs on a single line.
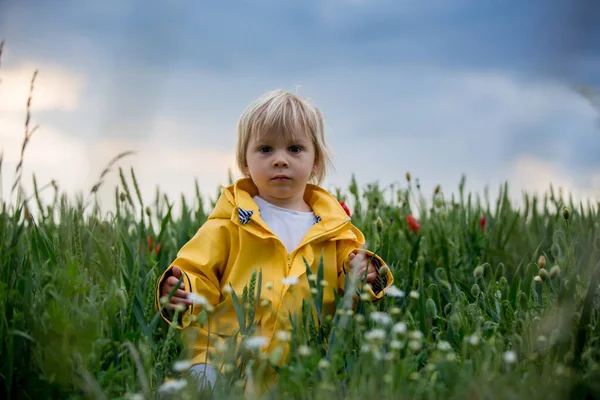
[[289, 226]]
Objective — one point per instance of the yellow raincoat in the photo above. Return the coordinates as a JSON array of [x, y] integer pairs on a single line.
[[235, 241]]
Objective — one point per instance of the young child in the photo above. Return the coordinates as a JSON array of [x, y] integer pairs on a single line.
[[268, 221]]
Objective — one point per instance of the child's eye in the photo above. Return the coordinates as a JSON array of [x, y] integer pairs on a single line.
[[265, 149], [295, 149]]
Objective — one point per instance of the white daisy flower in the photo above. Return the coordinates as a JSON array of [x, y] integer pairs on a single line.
[[375, 334], [393, 291], [400, 328], [474, 340], [182, 365], [197, 299], [304, 350], [381, 318], [510, 357], [255, 342], [283, 336], [172, 386], [444, 346], [290, 280]]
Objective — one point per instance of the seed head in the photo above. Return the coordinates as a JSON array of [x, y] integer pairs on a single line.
[[475, 290], [408, 176], [542, 261], [455, 322], [478, 272], [384, 270], [538, 279], [123, 197], [379, 224], [566, 213], [554, 272], [148, 211], [544, 274], [431, 307]]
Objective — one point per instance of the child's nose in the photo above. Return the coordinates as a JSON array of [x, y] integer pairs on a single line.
[[280, 161]]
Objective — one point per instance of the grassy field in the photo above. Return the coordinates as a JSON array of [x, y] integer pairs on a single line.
[[492, 302]]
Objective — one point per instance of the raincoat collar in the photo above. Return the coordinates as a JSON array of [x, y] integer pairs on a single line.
[[236, 204]]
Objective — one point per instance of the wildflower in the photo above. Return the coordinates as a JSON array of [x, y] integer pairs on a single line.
[[324, 283], [345, 207], [182, 365], [510, 357], [375, 334], [283, 336], [537, 279], [474, 340], [381, 318], [228, 368], [544, 274], [554, 272], [304, 350], [323, 364], [400, 328], [269, 285], [152, 245], [314, 290], [395, 311], [443, 345], [396, 344], [180, 307], [312, 278], [365, 296], [413, 224], [393, 291], [482, 223], [414, 295], [415, 345], [172, 386], [415, 335], [475, 290], [228, 289], [197, 299], [542, 262], [255, 342], [290, 280]]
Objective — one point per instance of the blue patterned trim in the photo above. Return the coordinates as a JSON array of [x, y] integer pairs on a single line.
[[317, 219], [244, 215]]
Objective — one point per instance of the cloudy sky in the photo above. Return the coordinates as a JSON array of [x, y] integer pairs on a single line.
[[439, 88]]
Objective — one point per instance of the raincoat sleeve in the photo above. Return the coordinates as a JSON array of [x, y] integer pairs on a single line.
[[201, 260], [376, 291]]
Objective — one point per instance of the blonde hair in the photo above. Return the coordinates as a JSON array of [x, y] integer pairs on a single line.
[[280, 112]]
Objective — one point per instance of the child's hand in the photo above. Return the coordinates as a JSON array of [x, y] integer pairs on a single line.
[[358, 260], [180, 296]]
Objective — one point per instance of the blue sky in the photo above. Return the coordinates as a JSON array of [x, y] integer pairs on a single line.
[[440, 88]]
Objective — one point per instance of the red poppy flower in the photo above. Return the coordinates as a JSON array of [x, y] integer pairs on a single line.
[[345, 207], [482, 223], [152, 246], [413, 224]]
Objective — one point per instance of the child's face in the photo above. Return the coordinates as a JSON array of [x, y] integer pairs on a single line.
[[281, 168]]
